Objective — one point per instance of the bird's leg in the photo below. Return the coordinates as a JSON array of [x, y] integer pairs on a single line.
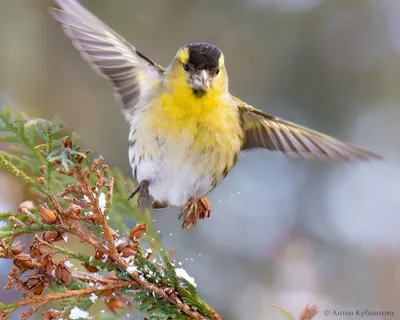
[[189, 214], [193, 210], [144, 198]]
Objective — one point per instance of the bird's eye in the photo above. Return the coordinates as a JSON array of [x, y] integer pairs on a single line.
[[186, 67], [216, 72]]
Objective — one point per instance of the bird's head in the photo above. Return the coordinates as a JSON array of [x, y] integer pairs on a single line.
[[200, 67]]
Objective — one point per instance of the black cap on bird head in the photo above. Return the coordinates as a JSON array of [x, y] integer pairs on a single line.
[[203, 56]]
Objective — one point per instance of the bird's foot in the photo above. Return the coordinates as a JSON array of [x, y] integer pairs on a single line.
[[194, 210], [144, 198]]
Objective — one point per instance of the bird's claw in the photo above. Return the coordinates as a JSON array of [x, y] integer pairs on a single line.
[[194, 210], [144, 198]]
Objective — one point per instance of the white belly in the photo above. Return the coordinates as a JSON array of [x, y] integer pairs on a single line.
[[172, 181], [173, 172]]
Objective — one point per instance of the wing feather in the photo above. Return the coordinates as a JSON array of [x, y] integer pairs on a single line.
[[129, 71], [265, 131]]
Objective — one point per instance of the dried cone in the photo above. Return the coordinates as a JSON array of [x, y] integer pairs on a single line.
[[47, 265], [36, 250], [47, 215], [35, 284], [89, 267], [126, 248], [63, 274], [52, 236], [98, 255], [74, 211], [17, 248], [122, 243], [137, 231], [128, 252], [24, 261], [51, 315]]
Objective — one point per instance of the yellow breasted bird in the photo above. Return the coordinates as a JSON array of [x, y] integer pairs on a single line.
[[186, 129]]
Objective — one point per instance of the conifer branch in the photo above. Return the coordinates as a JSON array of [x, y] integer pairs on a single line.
[[76, 197]]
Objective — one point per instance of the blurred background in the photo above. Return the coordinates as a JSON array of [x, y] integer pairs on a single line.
[[282, 231]]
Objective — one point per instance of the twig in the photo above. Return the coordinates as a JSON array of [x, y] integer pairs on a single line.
[[112, 250], [94, 278], [32, 310], [73, 293]]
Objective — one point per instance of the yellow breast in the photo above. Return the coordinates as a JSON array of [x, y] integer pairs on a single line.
[[211, 123], [210, 119]]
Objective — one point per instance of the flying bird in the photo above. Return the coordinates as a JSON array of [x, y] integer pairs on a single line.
[[186, 128]]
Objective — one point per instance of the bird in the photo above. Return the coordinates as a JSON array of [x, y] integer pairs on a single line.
[[185, 127]]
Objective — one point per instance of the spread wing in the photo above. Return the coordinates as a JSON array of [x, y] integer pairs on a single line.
[[130, 72], [265, 131]]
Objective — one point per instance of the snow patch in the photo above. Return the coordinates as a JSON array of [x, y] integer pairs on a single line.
[[102, 201], [180, 272], [93, 297], [77, 313], [131, 269], [68, 264]]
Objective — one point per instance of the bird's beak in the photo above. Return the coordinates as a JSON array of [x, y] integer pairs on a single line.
[[205, 79], [201, 82]]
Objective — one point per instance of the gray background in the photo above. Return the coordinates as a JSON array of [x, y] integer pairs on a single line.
[[282, 231]]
